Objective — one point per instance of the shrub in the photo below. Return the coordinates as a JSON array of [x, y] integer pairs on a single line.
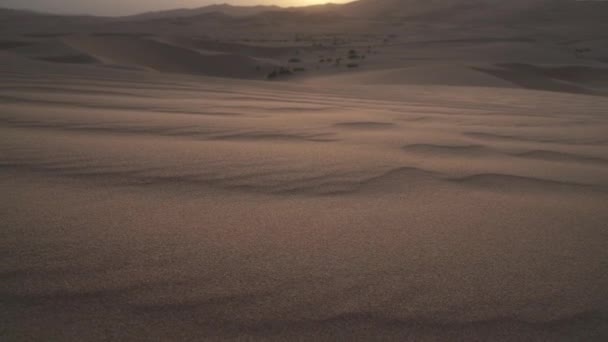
[[352, 65], [353, 54], [284, 71], [272, 75], [294, 60]]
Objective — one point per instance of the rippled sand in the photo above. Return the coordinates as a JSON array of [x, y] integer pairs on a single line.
[[140, 206]]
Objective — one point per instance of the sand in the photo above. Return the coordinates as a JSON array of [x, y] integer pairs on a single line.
[[161, 189]]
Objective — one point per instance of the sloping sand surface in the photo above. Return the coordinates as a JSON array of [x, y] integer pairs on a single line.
[[421, 75], [141, 52], [232, 48], [386, 170], [576, 79], [141, 206]]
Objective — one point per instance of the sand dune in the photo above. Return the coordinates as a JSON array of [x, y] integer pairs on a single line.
[[162, 57], [156, 186], [346, 233], [233, 48], [577, 79], [427, 74]]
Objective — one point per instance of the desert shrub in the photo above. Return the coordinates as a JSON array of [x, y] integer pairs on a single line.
[[352, 65], [272, 75], [353, 54], [279, 72], [299, 69], [294, 60], [284, 71]]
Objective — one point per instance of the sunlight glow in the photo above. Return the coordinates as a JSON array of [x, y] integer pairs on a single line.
[[307, 2]]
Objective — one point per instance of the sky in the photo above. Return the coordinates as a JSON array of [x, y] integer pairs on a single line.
[[122, 7]]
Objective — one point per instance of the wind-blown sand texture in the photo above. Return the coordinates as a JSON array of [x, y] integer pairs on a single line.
[[143, 200]]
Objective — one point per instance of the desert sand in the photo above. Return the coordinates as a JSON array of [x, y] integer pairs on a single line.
[[452, 186]]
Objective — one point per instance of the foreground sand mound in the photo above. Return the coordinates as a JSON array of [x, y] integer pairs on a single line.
[[155, 55], [164, 207], [421, 196]]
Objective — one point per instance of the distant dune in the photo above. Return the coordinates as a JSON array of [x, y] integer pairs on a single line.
[[155, 55], [237, 11], [429, 74]]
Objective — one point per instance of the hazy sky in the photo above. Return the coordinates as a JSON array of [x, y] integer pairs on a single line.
[[118, 7]]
